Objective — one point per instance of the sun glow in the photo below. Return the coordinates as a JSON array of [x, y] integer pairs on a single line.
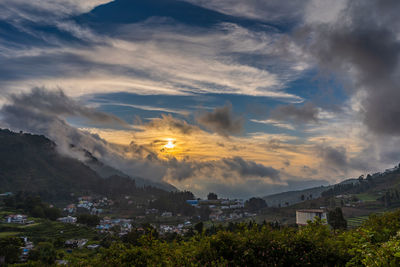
[[170, 144]]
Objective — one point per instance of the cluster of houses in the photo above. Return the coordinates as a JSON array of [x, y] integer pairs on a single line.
[[178, 229], [107, 225], [223, 209], [224, 204], [28, 246], [94, 206]]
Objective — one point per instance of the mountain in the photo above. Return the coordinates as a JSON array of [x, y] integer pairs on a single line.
[[31, 163]]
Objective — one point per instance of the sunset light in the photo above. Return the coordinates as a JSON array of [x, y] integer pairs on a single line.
[[170, 144]]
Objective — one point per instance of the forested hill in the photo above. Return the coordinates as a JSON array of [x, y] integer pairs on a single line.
[[383, 186], [31, 163]]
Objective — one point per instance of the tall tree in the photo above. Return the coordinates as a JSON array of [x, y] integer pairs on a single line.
[[336, 219]]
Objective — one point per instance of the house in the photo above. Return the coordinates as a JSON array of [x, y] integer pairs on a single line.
[[6, 194], [16, 218], [166, 214], [75, 243], [68, 219], [93, 246], [71, 208], [303, 216]]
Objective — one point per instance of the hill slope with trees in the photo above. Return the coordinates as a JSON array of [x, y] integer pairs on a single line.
[[30, 163]]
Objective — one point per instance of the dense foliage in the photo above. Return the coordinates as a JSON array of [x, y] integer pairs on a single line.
[[174, 202], [375, 243], [32, 205], [255, 203], [88, 219]]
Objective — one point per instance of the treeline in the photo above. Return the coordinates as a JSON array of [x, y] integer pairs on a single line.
[[360, 186], [174, 202], [32, 205]]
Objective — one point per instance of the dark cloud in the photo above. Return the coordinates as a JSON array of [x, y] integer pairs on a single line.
[[334, 157], [364, 43], [337, 159], [306, 113], [251, 168], [56, 103], [227, 168], [222, 121]]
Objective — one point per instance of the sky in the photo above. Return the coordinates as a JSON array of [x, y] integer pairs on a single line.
[[240, 98]]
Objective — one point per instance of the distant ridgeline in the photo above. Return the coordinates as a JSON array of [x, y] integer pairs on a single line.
[[386, 181], [30, 163]]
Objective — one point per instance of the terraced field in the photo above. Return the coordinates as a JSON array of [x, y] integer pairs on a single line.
[[356, 221]]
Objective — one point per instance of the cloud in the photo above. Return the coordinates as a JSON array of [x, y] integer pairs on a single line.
[[250, 168], [334, 158], [44, 10], [169, 123], [160, 58], [222, 121], [272, 10], [56, 103], [42, 112], [275, 123], [363, 46], [226, 169], [297, 114]]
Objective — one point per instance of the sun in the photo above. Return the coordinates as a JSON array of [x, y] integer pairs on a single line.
[[170, 144]]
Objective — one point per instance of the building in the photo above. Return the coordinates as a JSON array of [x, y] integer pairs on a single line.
[[71, 208], [166, 214], [16, 218], [303, 216], [68, 219]]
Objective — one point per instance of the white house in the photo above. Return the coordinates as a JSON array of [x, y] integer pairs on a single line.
[[303, 216], [68, 219], [16, 218]]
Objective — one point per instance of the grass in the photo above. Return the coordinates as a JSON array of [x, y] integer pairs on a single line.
[[5, 234], [367, 197], [43, 230]]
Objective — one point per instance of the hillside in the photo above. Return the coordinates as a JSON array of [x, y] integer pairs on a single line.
[[106, 171], [293, 197], [31, 163]]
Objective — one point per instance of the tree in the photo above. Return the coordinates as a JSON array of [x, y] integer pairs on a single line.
[[38, 211], [204, 213], [44, 252], [52, 213], [212, 196], [255, 203], [199, 227], [10, 249], [336, 219], [89, 220]]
